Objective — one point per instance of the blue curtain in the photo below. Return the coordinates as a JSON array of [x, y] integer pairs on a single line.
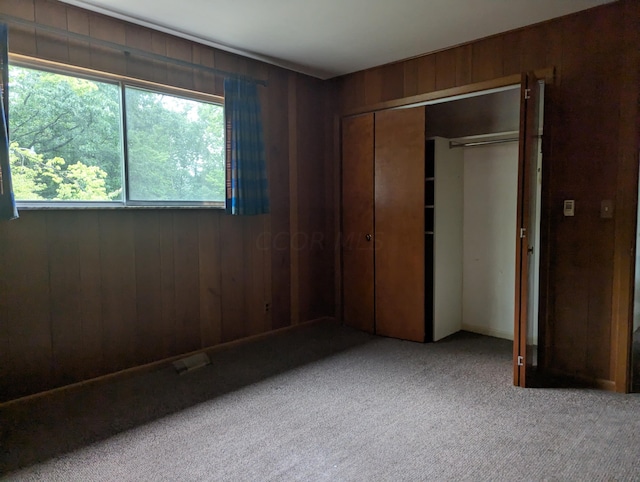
[[247, 186], [7, 202]]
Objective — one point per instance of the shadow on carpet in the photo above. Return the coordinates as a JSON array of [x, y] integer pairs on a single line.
[[39, 429]]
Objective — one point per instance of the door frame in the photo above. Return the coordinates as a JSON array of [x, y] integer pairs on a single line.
[[527, 159], [548, 75]]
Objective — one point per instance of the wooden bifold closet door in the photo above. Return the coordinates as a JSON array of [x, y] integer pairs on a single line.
[[383, 173], [357, 222], [399, 223]]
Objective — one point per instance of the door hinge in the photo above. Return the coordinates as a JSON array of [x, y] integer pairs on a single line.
[[523, 233], [527, 94], [520, 361]]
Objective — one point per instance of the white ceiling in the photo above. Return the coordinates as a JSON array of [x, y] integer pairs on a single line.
[[327, 38]]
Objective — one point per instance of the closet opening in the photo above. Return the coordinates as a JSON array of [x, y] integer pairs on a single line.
[[441, 216], [473, 143]]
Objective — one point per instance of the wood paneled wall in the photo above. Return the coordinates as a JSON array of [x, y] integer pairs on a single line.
[[591, 149], [89, 292]]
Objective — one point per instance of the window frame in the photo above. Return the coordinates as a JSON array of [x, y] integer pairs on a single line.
[[122, 82]]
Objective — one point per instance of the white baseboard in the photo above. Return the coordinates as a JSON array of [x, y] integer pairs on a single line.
[[484, 330]]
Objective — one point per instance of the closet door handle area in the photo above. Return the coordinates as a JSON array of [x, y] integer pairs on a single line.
[[368, 237]]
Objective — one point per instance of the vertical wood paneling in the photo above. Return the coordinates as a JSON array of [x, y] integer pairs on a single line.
[[463, 65], [148, 285], [277, 240], [267, 258], [293, 197], [427, 73], [139, 38], [181, 76], [626, 203], [254, 275], [90, 296], [51, 46], [264, 231], [159, 46], [64, 279], [353, 90], [419, 75], [331, 228], [445, 69], [118, 281], [168, 323], [392, 81], [105, 59], [305, 144], [23, 39], [203, 81], [579, 29], [187, 280], [228, 62], [28, 312], [541, 46], [310, 240], [373, 85], [78, 22], [487, 59], [410, 76], [233, 287], [512, 52], [19, 8], [6, 362], [601, 267], [209, 270], [582, 312]]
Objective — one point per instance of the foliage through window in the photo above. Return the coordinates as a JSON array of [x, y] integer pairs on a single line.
[[67, 142]]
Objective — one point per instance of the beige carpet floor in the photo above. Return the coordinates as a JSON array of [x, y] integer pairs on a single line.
[[327, 403]]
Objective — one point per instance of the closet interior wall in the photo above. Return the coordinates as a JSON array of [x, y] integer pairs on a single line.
[[475, 213]]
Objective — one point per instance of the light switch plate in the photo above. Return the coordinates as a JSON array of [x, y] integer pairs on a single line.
[[569, 207]]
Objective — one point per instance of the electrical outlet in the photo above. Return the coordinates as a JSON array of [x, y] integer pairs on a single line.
[[267, 307]]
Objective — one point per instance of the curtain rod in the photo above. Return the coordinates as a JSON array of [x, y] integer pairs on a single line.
[[127, 51]]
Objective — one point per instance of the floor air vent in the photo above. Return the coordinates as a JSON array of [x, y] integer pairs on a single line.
[[192, 362]]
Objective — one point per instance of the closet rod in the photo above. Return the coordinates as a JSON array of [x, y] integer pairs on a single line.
[[126, 50], [453, 145]]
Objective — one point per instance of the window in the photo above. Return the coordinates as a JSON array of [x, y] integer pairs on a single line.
[[79, 140], [175, 146]]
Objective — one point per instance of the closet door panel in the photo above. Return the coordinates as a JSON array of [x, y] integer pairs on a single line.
[[399, 223], [357, 222], [525, 343]]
